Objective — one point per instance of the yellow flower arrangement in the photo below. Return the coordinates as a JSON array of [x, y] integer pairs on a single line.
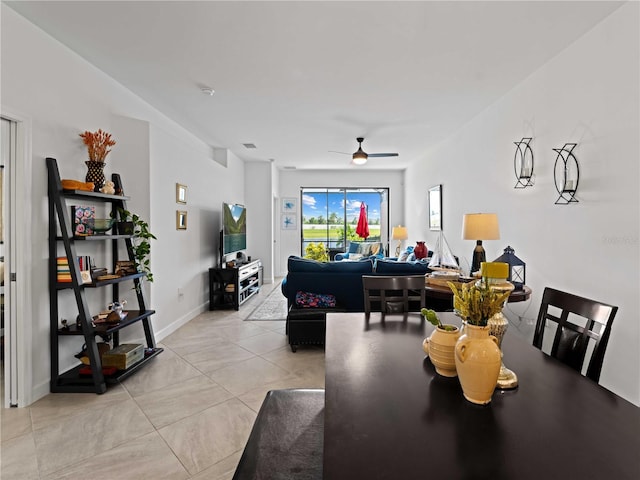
[[477, 302], [98, 144]]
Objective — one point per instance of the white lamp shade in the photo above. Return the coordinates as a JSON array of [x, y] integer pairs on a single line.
[[399, 233], [480, 226]]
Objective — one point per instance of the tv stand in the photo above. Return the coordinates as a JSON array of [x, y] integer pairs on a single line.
[[231, 287]]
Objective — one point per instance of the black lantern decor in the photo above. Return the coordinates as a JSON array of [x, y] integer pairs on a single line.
[[523, 163], [517, 268]]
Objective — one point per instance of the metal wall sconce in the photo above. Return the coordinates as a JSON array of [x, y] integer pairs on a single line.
[[566, 174], [523, 163]]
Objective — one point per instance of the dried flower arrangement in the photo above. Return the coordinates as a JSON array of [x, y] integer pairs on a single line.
[[477, 302], [98, 144]]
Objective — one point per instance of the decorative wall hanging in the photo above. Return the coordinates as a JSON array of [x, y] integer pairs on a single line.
[[289, 205], [566, 174], [435, 208], [288, 222], [523, 163], [181, 220], [181, 193]]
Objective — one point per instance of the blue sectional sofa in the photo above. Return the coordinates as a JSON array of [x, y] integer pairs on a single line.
[[341, 279]]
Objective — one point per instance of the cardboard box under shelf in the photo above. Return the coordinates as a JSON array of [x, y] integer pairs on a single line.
[[123, 356]]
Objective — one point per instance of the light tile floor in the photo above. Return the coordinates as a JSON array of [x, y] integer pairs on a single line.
[[187, 415]]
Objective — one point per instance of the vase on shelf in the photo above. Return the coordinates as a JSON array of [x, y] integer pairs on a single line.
[[420, 250], [95, 174], [478, 360]]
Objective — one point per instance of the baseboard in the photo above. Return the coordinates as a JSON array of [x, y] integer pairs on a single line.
[[183, 320]]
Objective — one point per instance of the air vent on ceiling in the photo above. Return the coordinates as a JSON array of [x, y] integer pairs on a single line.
[[249, 145]]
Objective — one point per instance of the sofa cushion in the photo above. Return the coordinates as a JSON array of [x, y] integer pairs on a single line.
[[298, 264], [390, 267], [353, 247]]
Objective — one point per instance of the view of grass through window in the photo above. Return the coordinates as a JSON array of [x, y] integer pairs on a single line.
[[330, 216]]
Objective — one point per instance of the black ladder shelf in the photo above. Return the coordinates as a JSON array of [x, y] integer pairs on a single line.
[[74, 380]]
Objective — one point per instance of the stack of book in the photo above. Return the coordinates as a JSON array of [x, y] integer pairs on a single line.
[[64, 272]]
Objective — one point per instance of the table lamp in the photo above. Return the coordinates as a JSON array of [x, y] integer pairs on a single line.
[[478, 227], [399, 233]]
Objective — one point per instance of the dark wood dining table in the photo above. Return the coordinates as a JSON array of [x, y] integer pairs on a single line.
[[389, 415], [443, 292]]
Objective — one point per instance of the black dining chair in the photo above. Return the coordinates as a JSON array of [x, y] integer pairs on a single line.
[[389, 294], [574, 335]]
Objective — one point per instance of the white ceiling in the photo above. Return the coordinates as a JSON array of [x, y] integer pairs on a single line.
[[299, 79]]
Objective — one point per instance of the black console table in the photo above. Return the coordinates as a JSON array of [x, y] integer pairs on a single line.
[[231, 287]]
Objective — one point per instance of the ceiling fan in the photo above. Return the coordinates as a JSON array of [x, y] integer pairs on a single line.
[[359, 157]]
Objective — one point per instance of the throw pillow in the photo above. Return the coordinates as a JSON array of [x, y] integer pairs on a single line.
[[355, 256], [315, 300], [353, 247], [404, 256], [364, 249]]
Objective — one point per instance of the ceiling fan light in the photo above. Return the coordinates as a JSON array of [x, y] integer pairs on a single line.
[[359, 158]]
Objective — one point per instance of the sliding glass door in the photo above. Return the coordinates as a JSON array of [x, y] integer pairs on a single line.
[[330, 216]]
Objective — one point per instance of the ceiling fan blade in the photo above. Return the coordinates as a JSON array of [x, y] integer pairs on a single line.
[[383, 154], [342, 153]]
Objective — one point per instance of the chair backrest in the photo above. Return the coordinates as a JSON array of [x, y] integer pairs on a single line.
[[393, 294], [571, 340]]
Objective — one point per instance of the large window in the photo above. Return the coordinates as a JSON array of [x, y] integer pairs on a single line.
[[330, 215]]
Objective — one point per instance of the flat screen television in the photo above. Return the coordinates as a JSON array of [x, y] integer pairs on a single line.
[[234, 229]]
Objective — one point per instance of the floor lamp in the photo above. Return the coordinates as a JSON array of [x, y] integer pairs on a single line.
[[478, 227], [399, 233]]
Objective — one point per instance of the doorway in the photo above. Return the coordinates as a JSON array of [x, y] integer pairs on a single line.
[[14, 344]]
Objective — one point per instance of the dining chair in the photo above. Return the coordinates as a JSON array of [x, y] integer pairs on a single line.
[[572, 340], [393, 294]]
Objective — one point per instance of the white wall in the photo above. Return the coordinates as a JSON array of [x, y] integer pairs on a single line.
[[588, 94], [63, 95], [259, 195], [291, 181]]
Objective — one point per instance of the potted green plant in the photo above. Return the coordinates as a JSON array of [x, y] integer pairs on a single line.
[[440, 345], [316, 252], [131, 224]]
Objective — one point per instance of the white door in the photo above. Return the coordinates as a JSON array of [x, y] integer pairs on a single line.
[[14, 152]]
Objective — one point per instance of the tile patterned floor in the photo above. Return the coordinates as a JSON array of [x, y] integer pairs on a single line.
[[187, 415]]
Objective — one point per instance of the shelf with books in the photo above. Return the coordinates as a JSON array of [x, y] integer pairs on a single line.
[[70, 271]]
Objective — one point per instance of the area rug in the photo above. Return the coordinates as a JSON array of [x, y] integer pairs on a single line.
[[274, 307]]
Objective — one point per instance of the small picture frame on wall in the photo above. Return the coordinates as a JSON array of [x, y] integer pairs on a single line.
[[435, 208], [181, 220], [288, 222], [181, 193], [289, 205]]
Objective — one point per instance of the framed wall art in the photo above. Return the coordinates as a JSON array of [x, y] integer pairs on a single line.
[[288, 222], [181, 220], [435, 208], [289, 205], [181, 193]]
